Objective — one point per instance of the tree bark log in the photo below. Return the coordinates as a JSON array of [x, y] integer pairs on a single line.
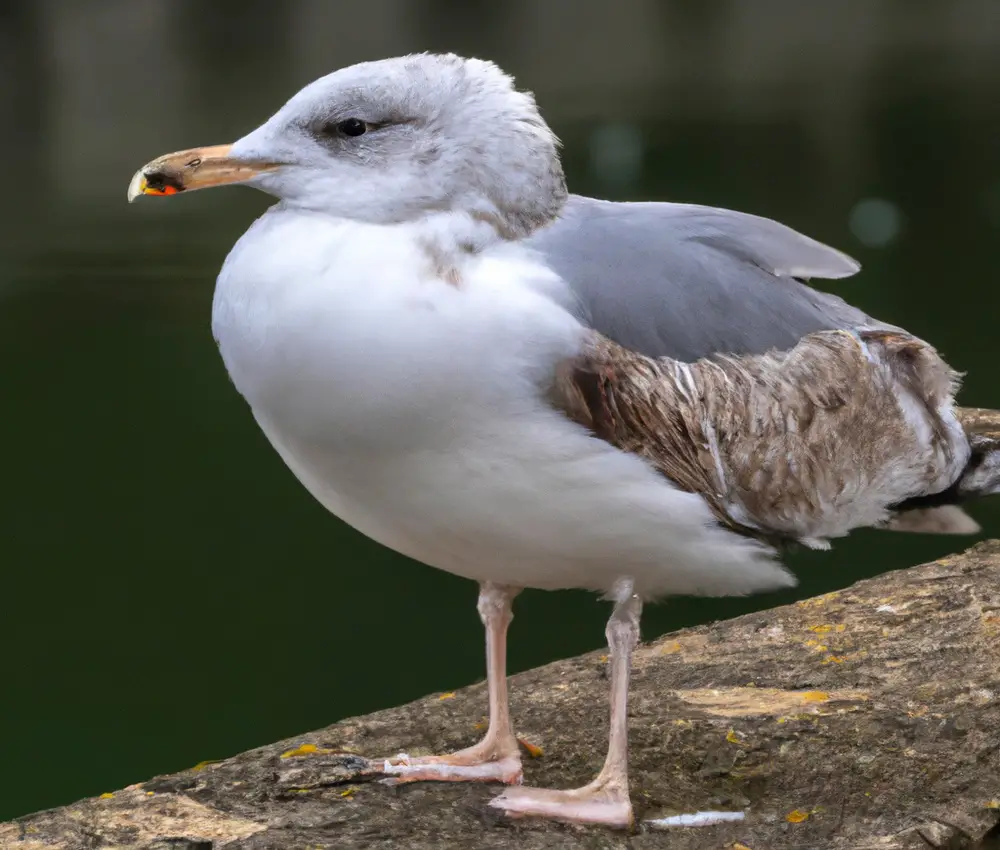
[[853, 720]]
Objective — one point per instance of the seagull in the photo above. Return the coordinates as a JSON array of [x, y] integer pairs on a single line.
[[534, 389]]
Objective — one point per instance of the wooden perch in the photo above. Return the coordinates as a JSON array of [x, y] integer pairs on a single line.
[[865, 718]]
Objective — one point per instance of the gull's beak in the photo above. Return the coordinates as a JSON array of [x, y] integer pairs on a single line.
[[198, 168]]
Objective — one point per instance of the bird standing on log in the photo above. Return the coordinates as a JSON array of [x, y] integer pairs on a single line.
[[534, 389]]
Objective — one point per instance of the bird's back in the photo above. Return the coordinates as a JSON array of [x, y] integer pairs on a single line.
[[687, 281]]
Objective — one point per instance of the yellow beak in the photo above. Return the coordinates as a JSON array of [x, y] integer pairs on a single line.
[[198, 168]]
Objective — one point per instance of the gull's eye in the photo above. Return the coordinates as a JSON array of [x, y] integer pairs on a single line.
[[350, 127]]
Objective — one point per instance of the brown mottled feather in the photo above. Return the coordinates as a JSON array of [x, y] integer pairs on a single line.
[[804, 444]]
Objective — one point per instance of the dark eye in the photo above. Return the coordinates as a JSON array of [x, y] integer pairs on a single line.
[[352, 127]]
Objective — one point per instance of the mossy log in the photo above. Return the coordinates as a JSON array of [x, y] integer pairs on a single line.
[[865, 718]]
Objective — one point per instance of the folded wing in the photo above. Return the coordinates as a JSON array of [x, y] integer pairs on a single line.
[[798, 445]]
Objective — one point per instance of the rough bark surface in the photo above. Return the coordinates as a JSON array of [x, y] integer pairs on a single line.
[[852, 720]]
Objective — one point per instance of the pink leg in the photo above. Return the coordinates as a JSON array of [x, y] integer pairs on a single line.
[[497, 757], [605, 800]]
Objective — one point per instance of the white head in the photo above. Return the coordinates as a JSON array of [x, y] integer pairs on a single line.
[[392, 141]]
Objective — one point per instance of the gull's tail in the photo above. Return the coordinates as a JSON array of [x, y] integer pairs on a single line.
[[942, 513]]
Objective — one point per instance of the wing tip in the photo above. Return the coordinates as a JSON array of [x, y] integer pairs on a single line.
[[835, 266]]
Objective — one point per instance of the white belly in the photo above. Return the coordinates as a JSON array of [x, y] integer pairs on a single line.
[[536, 503], [415, 411]]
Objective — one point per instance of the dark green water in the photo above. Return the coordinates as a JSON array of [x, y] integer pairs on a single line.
[[171, 594]]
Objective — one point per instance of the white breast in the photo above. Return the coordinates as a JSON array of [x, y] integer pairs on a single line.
[[344, 332], [415, 410]]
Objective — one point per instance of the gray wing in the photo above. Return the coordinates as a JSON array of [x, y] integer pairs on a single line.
[[686, 281]]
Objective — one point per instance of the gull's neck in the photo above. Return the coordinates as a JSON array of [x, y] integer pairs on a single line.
[[450, 239], [442, 243], [470, 233], [447, 239], [469, 230]]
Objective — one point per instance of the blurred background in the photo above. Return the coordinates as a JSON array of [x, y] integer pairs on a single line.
[[170, 592]]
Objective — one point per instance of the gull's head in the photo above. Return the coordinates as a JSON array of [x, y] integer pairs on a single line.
[[392, 141]]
